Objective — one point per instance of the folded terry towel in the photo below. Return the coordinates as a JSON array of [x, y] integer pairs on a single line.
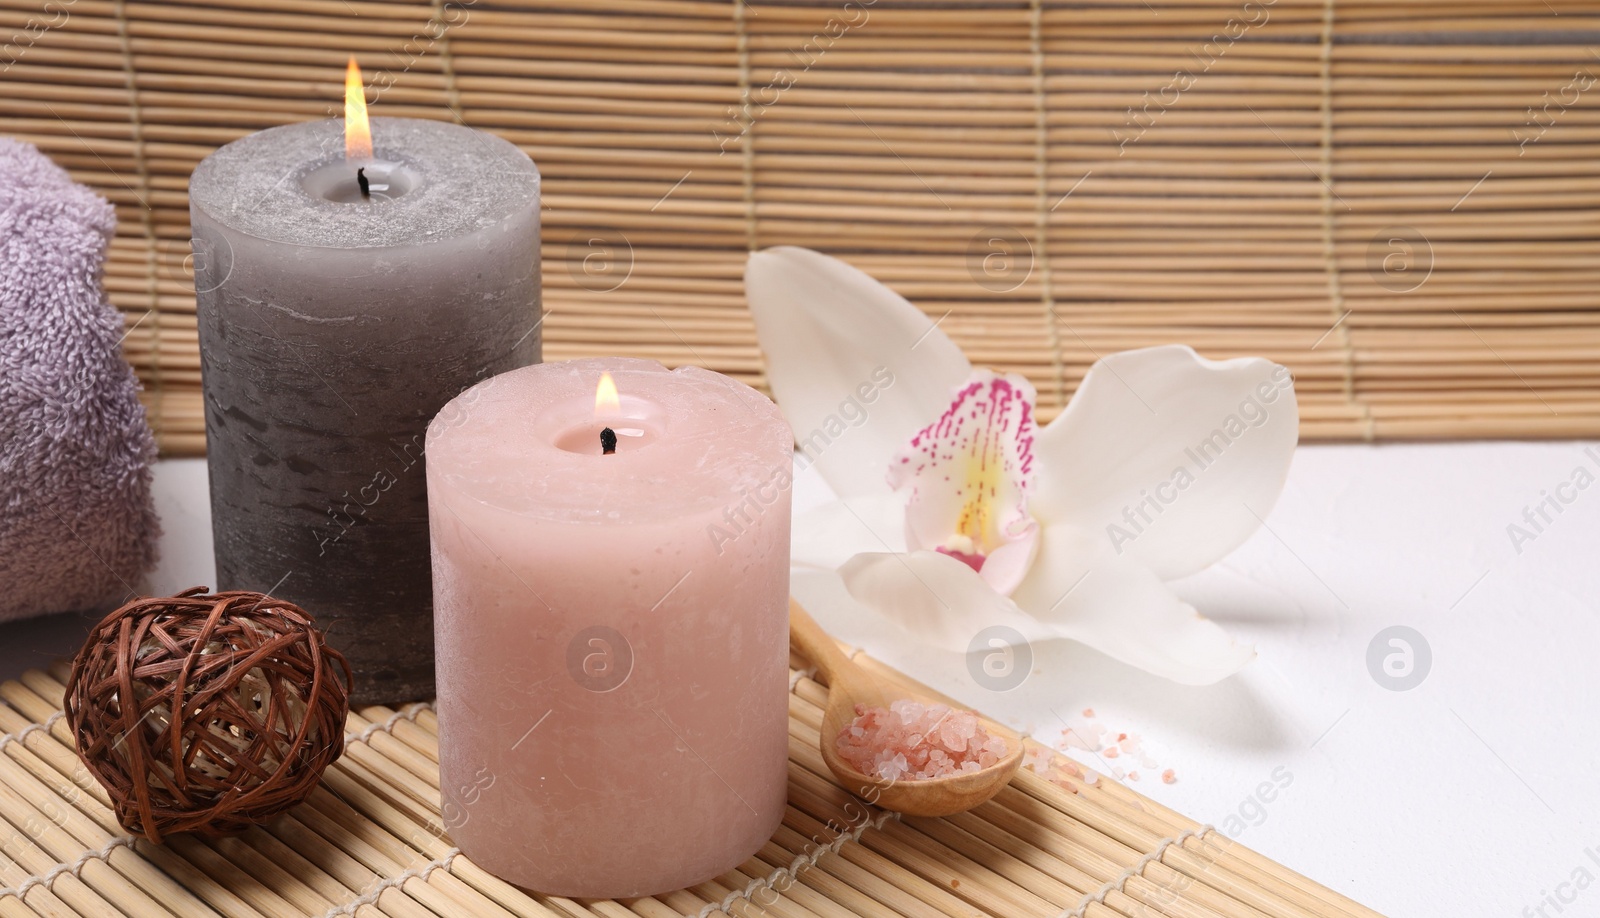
[[77, 527]]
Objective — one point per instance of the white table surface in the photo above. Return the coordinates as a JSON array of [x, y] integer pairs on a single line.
[[1473, 793]]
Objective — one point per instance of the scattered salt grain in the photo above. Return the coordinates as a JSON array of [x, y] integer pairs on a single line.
[[1169, 777], [1037, 760], [912, 741], [1110, 746], [1072, 739]]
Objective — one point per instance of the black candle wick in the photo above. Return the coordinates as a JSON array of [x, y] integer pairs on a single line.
[[361, 179], [608, 441]]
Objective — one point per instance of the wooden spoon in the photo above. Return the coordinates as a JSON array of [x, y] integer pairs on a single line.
[[850, 685]]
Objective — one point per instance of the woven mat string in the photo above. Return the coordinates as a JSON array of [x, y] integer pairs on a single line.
[[447, 64], [782, 878], [371, 896], [1121, 880], [75, 868], [747, 123], [1330, 234], [20, 735], [1058, 361], [155, 415], [409, 713]]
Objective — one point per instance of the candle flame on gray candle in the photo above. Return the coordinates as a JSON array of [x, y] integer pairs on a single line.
[[357, 132]]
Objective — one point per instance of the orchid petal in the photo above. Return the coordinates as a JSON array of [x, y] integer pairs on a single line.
[[1081, 589], [856, 368], [833, 533], [1172, 458], [967, 475], [935, 597], [1078, 589], [1005, 567]]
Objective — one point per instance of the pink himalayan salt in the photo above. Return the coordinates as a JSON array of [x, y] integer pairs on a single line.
[[1107, 744], [1053, 768], [1065, 785], [1037, 760], [1072, 739], [914, 741]]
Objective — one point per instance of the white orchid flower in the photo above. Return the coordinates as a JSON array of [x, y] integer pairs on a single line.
[[955, 513]]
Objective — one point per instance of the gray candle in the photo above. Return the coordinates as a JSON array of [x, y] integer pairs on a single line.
[[337, 315]]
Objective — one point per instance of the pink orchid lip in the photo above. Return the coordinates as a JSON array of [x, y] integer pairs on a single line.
[[968, 475], [974, 561]]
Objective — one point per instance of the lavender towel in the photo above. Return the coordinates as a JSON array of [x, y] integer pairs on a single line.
[[77, 526]]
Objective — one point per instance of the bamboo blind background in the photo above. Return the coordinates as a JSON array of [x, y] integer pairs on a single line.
[[1285, 200], [371, 842]]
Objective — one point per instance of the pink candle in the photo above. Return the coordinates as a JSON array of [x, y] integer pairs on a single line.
[[611, 630]]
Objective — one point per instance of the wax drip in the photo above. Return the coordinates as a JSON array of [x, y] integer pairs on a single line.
[[608, 441], [361, 179]]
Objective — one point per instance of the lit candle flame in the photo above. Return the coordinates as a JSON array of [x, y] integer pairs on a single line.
[[605, 397], [357, 132]]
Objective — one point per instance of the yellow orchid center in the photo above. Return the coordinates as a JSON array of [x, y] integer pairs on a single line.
[[969, 472]]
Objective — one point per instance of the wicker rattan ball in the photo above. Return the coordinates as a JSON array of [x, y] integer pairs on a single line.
[[207, 713]]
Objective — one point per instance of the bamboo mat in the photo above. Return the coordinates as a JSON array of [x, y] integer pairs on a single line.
[[370, 843], [1396, 198]]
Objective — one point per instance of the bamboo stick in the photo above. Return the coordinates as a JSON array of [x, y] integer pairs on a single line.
[[1423, 101], [70, 890], [824, 903], [733, 883], [78, 787], [61, 809], [39, 900], [238, 868], [362, 788], [842, 879], [381, 712], [1138, 806], [1018, 821], [50, 824], [417, 739], [1098, 866], [246, 866], [420, 741], [869, 870]]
